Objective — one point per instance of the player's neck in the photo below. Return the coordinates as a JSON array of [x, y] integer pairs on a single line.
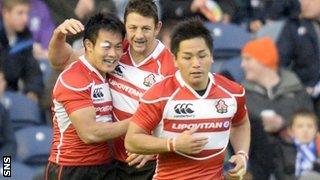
[[139, 57], [90, 60]]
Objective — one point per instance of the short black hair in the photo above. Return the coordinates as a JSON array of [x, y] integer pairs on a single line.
[[189, 29], [105, 21], [303, 112], [147, 8]]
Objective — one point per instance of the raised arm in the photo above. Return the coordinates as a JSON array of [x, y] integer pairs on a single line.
[[60, 53]]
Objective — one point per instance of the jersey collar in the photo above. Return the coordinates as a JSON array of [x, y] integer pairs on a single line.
[[156, 52], [91, 68], [184, 84]]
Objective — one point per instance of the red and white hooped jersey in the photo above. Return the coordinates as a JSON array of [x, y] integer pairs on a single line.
[[172, 106], [79, 86], [129, 81]]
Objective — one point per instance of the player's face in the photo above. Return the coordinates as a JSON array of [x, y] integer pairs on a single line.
[[194, 61], [106, 51], [303, 129], [251, 67], [141, 32], [17, 17]]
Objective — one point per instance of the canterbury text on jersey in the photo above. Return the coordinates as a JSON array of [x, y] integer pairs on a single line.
[[79, 86], [171, 107]]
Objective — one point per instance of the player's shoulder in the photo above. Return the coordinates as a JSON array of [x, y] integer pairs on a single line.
[[76, 77], [229, 85], [161, 90], [164, 54]]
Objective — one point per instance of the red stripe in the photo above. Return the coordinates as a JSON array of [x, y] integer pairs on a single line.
[[120, 115], [103, 108], [60, 171], [203, 125], [206, 153], [47, 169], [125, 88]]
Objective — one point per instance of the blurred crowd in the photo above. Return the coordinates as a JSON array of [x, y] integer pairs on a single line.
[[271, 47]]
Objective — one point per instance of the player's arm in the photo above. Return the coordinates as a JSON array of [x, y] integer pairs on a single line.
[[90, 131], [240, 141], [60, 53], [240, 135], [138, 139]]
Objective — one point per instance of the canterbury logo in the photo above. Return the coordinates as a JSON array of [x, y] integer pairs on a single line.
[[97, 93], [183, 108], [118, 70]]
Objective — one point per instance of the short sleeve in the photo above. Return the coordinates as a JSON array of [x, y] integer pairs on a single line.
[[148, 115], [73, 100], [241, 108]]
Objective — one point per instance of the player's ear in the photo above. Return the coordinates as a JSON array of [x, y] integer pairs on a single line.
[[158, 28], [175, 61], [88, 45]]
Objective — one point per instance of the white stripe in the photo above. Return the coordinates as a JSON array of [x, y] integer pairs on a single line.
[[160, 99], [72, 88], [86, 63], [105, 118], [240, 95], [308, 153], [63, 123], [216, 140], [203, 158], [67, 86], [136, 76], [159, 69], [184, 84], [156, 52], [203, 109], [123, 102]]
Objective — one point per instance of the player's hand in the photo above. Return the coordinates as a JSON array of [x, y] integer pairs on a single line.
[[138, 159], [70, 27], [240, 168], [187, 143], [197, 4]]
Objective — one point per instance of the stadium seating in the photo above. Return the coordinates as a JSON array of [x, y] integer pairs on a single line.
[[19, 171], [45, 69], [33, 144], [230, 67], [228, 39], [22, 111]]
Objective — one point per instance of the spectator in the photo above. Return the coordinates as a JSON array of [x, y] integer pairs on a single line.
[[41, 25], [7, 138], [299, 46], [299, 154], [258, 12], [299, 43], [78, 9], [272, 95], [180, 9], [16, 50]]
